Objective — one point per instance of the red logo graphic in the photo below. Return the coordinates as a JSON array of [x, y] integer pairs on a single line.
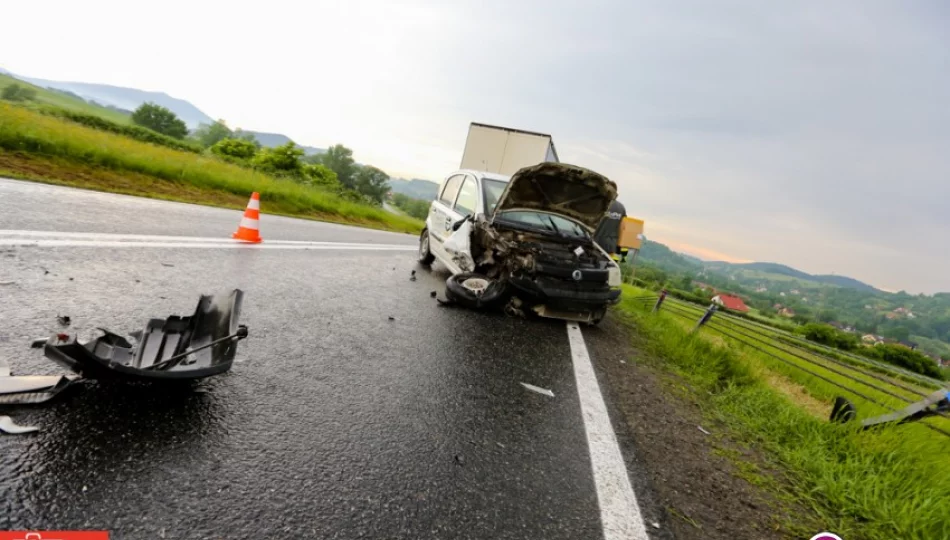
[[54, 535]]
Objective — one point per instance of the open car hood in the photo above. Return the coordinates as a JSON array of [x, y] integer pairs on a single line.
[[568, 190]]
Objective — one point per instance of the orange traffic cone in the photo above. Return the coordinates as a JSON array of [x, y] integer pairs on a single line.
[[249, 230]]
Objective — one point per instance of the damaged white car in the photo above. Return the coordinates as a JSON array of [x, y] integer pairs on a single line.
[[525, 241]]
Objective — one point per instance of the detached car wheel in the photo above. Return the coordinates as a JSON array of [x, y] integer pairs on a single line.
[[473, 290], [425, 254]]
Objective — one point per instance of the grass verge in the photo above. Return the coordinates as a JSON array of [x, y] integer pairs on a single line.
[[44, 148], [873, 485]]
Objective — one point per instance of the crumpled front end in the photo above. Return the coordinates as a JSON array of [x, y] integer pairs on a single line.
[[560, 278]]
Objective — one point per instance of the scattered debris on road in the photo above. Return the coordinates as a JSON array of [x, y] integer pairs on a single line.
[[391, 318], [170, 265], [412, 277], [433, 294], [7, 425], [459, 460], [176, 348], [2, 283], [538, 389], [193, 347], [63, 320], [700, 428], [33, 389]]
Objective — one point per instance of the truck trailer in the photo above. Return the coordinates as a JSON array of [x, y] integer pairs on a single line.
[[502, 150]]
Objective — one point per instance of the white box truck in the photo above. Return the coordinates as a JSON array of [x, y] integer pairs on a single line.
[[504, 150]]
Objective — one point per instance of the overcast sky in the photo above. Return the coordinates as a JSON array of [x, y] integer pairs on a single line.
[[815, 134]]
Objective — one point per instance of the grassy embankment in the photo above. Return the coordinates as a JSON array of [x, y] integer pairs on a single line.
[[873, 485], [34, 146], [796, 353], [62, 100]]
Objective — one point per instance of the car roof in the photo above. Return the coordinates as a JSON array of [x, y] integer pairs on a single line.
[[484, 174]]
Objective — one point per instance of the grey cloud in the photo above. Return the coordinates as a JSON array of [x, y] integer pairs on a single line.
[[831, 114]]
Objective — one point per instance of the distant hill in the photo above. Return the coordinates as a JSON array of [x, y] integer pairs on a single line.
[[271, 140], [769, 268], [126, 98], [846, 282], [661, 255], [415, 188], [783, 270]]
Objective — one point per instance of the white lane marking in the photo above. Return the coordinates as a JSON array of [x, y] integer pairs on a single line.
[[203, 245], [6, 233], [619, 511], [74, 239]]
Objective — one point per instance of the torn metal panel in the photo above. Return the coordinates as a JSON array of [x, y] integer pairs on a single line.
[[29, 383], [34, 389], [538, 389], [7, 425], [458, 245], [31, 389], [192, 347]]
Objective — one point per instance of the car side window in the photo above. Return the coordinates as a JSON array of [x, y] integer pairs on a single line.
[[467, 199], [451, 189]]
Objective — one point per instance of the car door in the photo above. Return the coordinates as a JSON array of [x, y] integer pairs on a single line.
[[466, 203], [440, 215]]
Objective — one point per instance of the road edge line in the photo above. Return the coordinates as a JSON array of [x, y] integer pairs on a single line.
[[620, 514]]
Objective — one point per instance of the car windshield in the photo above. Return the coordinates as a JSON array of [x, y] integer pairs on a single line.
[[541, 220], [493, 190]]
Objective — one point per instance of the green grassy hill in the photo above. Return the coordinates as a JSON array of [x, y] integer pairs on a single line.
[[37, 146], [66, 101]]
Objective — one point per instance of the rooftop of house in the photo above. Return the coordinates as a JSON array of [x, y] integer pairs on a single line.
[[732, 302]]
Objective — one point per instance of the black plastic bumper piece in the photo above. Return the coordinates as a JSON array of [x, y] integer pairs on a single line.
[[175, 348]]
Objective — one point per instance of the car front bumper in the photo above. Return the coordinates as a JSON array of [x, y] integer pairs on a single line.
[[563, 295]]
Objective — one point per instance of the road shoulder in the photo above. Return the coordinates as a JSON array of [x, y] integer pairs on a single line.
[[696, 478]]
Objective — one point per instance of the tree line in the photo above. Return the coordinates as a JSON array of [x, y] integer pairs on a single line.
[[335, 170]]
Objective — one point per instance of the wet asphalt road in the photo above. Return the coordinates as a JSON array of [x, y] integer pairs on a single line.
[[336, 422]]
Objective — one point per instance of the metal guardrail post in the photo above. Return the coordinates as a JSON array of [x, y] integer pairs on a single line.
[[659, 301], [706, 316]]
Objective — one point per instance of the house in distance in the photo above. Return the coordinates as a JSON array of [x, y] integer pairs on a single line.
[[730, 302]]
